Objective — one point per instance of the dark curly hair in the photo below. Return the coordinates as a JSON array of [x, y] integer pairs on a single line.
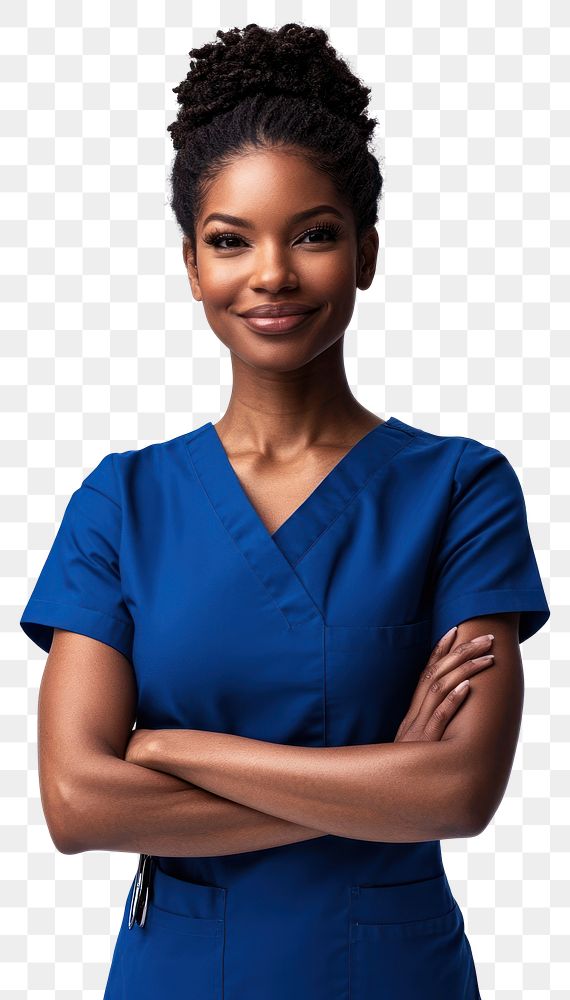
[[261, 87]]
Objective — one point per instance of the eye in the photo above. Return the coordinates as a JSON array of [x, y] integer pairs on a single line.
[[320, 227], [215, 239]]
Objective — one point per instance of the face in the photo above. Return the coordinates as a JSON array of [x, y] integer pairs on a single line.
[[279, 248]]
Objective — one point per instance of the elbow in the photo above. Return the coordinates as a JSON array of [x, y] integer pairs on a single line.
[[477, 810], [469, 804], [67, 846], [481, 817], [64, 838], [62, 818], [473, 825], [458, 823]]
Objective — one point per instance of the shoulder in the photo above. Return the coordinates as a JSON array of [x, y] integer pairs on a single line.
[[456, 457], [454, 470], [119, 474]]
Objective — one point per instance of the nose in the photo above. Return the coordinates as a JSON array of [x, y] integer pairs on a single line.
[[272, 270]]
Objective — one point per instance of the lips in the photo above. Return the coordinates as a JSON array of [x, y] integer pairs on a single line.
[[280, 323], [274, 310]]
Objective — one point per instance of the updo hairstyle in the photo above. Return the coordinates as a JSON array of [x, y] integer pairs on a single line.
[[259, 88]]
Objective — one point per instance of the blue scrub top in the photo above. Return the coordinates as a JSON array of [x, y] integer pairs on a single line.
[[314, 635]]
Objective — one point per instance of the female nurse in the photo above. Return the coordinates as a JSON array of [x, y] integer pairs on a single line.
[[272, 598]]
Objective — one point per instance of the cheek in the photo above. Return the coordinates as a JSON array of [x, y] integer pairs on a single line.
[[221, 283], [332, 273]]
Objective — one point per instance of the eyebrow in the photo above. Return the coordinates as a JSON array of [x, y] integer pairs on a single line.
[[234, 220]]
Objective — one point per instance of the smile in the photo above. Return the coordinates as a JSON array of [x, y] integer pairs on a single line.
[[277, 324]]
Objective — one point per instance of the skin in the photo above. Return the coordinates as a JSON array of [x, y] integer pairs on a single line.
[[291, 414], [290, 418]]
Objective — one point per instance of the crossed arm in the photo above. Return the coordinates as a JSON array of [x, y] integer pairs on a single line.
[[253, 794], [390, 792]]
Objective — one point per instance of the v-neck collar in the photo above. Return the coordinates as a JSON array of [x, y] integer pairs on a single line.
[[329, 498], [273, 556]]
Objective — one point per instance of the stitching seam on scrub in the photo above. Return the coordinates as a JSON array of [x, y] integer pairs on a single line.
[[490, 593], [234, 543], [88, 486], [351, 500], [93, 611]]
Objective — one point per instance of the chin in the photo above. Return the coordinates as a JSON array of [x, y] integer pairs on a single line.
[[279, 358]]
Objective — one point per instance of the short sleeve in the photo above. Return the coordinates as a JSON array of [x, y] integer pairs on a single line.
[[79, 586], [485, 562]]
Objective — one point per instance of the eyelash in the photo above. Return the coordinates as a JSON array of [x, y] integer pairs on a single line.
[[332, 227]]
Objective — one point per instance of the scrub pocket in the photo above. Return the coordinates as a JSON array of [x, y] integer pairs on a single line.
[[371, 674], [408, 940], [178, 952]]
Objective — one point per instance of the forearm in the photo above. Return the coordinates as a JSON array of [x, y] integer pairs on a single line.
[[394, 792], [119, 806]]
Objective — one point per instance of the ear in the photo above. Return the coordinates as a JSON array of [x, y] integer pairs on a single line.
[[367, 256], [191, 268]]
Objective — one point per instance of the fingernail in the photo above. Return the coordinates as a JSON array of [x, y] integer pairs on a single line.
[[454, 629]]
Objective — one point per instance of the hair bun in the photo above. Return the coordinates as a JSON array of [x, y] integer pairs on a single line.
[[293, 59]]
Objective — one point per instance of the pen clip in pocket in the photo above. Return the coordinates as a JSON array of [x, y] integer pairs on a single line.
[[139, 898]]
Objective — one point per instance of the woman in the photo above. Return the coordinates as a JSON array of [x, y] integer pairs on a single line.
[[272, 598]]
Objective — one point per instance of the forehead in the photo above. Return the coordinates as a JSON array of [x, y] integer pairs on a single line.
[[269, 186]]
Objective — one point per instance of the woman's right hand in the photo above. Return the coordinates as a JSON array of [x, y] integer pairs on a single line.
[[436, 698]]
